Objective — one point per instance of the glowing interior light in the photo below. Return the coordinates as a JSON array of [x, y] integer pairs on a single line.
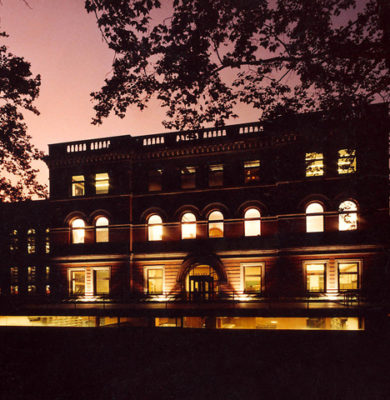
[[78, 231], [155, 228], [216, 228], [252, 222], [347, 216], [314, 223], [188, 226]]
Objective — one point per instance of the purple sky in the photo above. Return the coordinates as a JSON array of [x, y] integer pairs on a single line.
[[63, 44]]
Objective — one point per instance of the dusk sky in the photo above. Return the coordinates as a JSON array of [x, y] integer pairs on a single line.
[[63, 44]]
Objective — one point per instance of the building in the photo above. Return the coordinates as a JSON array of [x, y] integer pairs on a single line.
[[266, 211]]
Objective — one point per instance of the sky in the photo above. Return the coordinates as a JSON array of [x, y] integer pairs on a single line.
[[64, 45]]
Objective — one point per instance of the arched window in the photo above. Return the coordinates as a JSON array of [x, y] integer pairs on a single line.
[[252, 222], [216, 224], [101, 230], [78, 231], [188, 226], [314, 218], [31, 248], [155, 228], [347, 216]]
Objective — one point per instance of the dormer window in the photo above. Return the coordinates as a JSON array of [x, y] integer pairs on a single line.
[[314, 164], [102, 183], [78, 185]]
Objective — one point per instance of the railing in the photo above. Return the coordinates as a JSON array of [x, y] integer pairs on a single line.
[[127, 142]]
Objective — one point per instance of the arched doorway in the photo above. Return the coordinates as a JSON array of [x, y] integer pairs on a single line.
[[201, 282]]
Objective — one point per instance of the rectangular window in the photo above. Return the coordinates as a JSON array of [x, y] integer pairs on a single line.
[[348, 276], [215, 175], [14, 241], [77, 283], [78, 185], [101, 279], [252, 171], [47, 274], [188, 177], [31, 289], [315, 277], [346, 163], [14, 289], [31, 274], [314, 164], [102, 183], [252, 278], [47, 241], [154, 280], [155, 180], [14, 274], [47, 289]]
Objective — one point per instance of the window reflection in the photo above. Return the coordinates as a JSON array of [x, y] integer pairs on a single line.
[[314, 164], [346, 163]]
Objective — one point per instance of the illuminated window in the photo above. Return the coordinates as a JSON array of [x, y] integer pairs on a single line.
[[346, 163], [31, 289], [14, 241], [314, 218], [216, 224], [314, 164], [315, 277], [188, 226], [47, 289], [101, 278], [252, 278], [31, 274], [155, 228], [47, 241], [348, 276], [252, 171], [77, 283], [31, 240], [252, 222], [102, 183], [155, 180], [78, 185], [47, 274], [215, 175], [154, 280], [78, 231], [14, 274], [14, 289], [347, 216], [188, 177], [101, 230]]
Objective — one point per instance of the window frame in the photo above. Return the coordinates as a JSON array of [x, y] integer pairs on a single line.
[[359, 263], [146, 279], [74, 185], [315, 215], [102, 229], [243, 266], [215, 177], [215, 222], [70, 280], [355, 212], [325, 274], [191, 184], [73, 231], [191, 224], [31, 241], [156, 225], [94, 279], [248, 221], [310, 164], [352, 165], [105, 181], [250, 171]]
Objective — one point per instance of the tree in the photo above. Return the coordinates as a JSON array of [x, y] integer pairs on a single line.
[[278, 56], [18, 90]]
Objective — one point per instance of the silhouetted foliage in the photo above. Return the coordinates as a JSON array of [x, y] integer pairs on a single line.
[[18, 90], [280, 57]]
